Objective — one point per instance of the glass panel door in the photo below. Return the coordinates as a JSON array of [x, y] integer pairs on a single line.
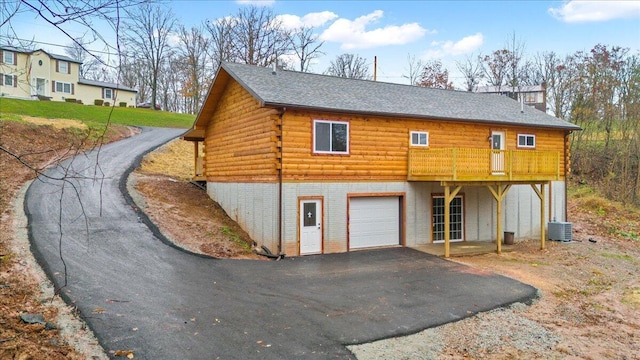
[[456, 225]]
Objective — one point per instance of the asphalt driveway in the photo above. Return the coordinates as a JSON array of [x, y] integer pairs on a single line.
[[138, 293]]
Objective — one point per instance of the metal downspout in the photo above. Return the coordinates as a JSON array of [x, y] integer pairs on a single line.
[[567, 162], [280, 234]]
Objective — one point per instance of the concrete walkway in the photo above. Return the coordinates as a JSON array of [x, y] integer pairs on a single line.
[[138, 293]]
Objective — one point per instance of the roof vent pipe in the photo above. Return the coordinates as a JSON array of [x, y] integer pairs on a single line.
[[275, 66]]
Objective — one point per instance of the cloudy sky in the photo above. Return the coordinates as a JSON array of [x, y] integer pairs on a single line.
[[447, 30]]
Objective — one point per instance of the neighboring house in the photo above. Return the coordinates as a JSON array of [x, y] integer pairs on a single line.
[[33, 74], [530, 95], [311, 164]]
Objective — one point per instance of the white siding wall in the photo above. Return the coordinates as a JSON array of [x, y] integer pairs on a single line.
[[89, 93], [255, 207]]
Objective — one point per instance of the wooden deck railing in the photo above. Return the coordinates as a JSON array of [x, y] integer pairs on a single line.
[[456, 164]]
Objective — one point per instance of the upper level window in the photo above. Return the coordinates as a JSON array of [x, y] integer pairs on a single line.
[[526, 141], [63, 67], [8, 57], [419, 138], [531, 98], [108, 93], [330, 137]]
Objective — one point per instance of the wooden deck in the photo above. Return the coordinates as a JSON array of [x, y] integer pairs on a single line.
[[462, 164], [465, 248]]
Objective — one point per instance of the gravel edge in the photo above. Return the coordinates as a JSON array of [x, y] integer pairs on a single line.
[[503, 332]]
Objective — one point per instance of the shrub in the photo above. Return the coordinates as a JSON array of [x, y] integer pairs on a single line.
[[98, 102], [70, 100], [106, 103], [79, 101], [123, 104]]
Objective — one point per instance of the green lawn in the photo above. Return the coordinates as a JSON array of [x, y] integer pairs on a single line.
[[93, 116]]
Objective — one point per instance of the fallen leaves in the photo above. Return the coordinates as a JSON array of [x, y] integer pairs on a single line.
[[127, 353], [261, 343]]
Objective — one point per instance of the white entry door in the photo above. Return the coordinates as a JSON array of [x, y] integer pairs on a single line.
[[40, 86], [310, 227], [497, 152]]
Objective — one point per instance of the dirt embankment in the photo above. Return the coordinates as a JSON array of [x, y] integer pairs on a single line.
[[183, 212]]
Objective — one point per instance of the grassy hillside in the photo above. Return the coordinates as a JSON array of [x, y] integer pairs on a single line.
[[93, 116]]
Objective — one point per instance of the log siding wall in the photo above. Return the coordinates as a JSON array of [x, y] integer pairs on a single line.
[[240, 143], [378, 146]]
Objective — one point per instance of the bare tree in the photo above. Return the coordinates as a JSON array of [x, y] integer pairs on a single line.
[[435, 76], [91, 65], [306, 46], [414, 69], [221, 45], [558, 75], [193, 57], [471, 70], [258, 36], [349, 66], [495, 67], [515, 61], [134, 73], [147, 38]]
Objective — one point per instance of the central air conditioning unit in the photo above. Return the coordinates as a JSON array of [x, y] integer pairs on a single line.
[[560, 231]]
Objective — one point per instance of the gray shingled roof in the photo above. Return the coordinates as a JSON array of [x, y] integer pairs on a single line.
[[62, 57], [330, 93], [105, 85], [27, 51]]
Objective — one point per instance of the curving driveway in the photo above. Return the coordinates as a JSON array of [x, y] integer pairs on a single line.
[[138, 293]]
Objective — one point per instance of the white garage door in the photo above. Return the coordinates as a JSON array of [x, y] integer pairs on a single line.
[[374, 221]]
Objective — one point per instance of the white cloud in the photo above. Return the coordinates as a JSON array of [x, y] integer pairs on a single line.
[[466, 45], [256, 2], [353, 34], [592, 11], [316, 19]]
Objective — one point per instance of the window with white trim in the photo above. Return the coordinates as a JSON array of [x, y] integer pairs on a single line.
[[526, 141], [419, 138], [63, 67], [63, 87], [8, 80], [108, 93], [330, 137], [8, 57]]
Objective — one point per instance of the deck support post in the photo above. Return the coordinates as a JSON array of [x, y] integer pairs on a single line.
[[196, 152], [448, 197], [499, 193], [540, 192]]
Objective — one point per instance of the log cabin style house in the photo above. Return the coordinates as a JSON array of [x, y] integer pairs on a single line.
[[313, 164]]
